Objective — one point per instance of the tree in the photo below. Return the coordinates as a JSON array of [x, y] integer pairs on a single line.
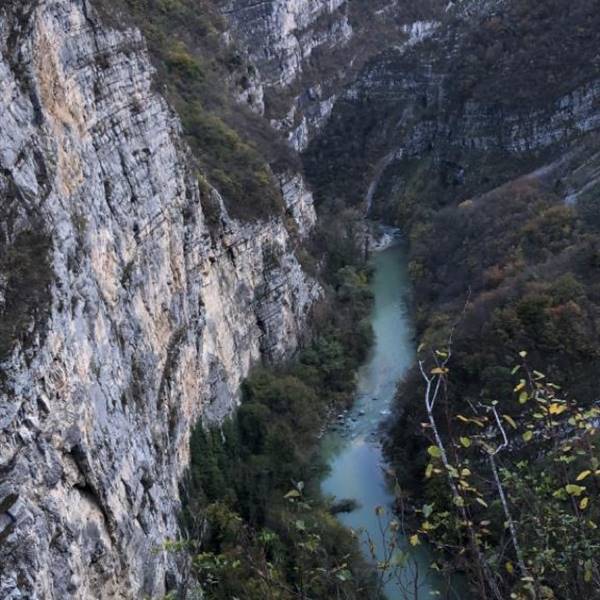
[[519, 480]]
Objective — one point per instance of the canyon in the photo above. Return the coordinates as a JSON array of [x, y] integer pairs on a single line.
[[134, 304]]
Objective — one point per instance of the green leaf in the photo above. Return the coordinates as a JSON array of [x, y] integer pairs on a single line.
[[434, 451], [414, 540], [583, 475], [528, 436], [453, 472], [588, 567], [574, 490], [560, 494], [465, 441], [344, 575], [523, 397], [510, 421]]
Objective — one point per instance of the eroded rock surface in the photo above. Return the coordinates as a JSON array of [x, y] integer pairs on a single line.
[[136, 320]]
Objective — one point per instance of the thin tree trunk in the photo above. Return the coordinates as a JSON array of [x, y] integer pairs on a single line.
[[484, 573]]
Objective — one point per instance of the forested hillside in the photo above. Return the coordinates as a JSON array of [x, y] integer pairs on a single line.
[[482, 145]]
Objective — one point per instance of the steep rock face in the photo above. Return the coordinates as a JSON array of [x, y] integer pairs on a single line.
[[280, 35], [465, 107], [307, 51], [136, 321]]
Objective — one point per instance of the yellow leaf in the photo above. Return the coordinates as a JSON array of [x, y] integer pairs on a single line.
[[520, 386], [439, 371], [584, 503], [414, 540], [509, 567], [583, 475], [482, 502], [523, 397], [557, 409], [510, 421]]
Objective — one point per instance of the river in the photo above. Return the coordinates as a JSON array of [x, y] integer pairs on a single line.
[[352, 450]]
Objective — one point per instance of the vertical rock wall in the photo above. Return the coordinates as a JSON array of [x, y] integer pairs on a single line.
[[134, 319]]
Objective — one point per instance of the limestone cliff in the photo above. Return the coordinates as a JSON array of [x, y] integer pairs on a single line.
[[306, 51], [468, 107], [125, 318], [281, 35]]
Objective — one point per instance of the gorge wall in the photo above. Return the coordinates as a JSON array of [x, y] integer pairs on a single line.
[[467, 109], [125, 318], [306, 51]]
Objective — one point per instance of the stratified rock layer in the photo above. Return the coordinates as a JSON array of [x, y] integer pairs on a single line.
[[149, 320]]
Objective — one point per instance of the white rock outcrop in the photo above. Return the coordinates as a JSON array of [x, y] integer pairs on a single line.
[[279, 35]]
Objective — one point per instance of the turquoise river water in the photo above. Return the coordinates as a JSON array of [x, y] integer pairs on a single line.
[[352, 449]]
